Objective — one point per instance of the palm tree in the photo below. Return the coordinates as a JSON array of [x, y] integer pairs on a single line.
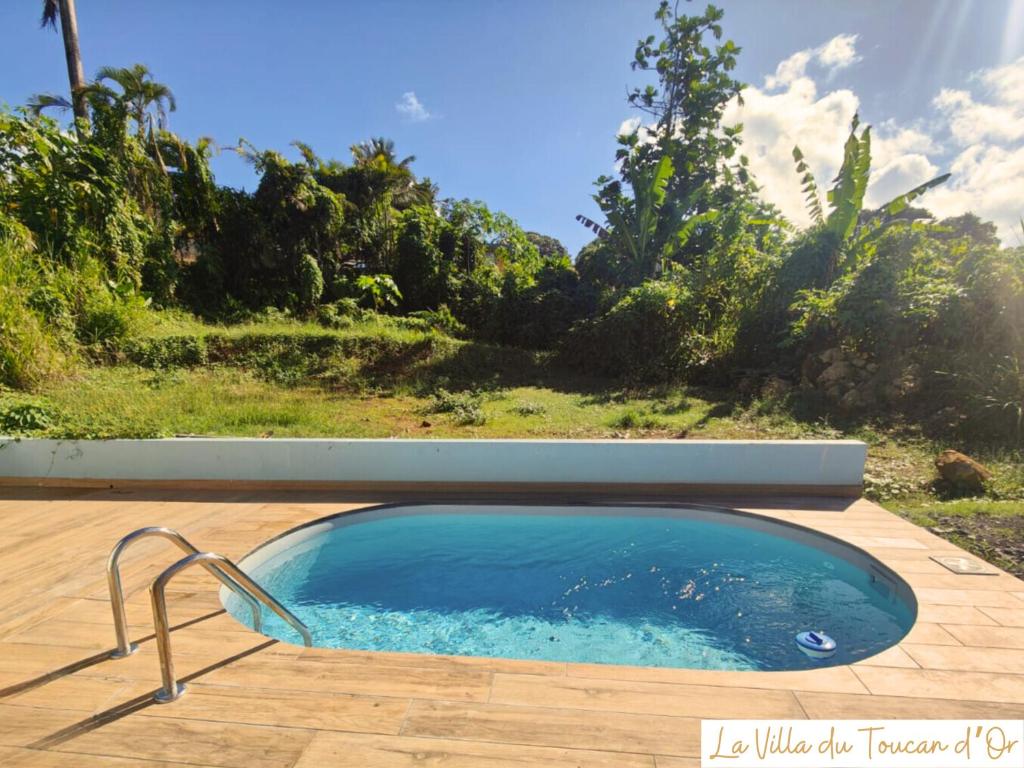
[[65, 10], [368, 151], [140, 92]]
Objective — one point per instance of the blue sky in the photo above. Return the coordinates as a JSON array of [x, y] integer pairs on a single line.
[[518, 103]]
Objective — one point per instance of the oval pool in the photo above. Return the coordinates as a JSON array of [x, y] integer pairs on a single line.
[[638, 584]]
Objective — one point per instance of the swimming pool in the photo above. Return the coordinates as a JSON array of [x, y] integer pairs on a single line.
[[651, 585]]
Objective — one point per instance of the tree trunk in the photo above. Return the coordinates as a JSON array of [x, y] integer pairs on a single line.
[[76, 75]]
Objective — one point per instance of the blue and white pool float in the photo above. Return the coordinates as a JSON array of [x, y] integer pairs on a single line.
[[817, 645]]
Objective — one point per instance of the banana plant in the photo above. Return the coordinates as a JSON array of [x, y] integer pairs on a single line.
[[634, 224], [852, 227]]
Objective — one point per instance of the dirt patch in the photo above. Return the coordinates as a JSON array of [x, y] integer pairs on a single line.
[[999, 539]]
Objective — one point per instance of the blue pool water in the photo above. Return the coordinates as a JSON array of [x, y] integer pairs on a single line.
[[623, 585]]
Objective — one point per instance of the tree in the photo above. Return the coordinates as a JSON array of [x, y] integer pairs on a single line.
[[65, 11], [549, 247], [643, 229], [852, 228], [693, 89], [380, 148], [140, 94]]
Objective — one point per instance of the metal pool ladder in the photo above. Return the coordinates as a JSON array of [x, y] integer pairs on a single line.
[[225, 571]]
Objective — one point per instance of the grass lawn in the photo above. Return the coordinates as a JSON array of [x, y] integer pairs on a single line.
[[294, 380]]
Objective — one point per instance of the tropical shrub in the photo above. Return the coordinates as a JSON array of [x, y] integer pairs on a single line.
[[645, 337]]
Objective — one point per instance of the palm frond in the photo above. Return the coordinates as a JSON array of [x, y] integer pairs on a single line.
[[851, 183], [51, 12], [810, 187], [899, 204], [592, 225], [40, 101]]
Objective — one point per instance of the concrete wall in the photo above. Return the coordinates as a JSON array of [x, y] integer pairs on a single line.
[[781, 463]]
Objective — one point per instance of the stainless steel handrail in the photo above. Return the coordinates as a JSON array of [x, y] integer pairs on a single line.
[[172, 689], [124, 645]]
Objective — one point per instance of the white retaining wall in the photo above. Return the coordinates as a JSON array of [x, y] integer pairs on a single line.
[[820, 463]]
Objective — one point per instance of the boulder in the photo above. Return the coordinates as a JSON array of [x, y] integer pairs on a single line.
[[961, 471], [837, 372], [830, 356]]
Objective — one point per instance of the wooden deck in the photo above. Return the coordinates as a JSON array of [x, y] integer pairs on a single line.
[[258, 703]]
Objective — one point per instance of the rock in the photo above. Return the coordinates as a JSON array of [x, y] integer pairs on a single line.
[[861, 397], [836, 373], [810, 368], [961, 471], [830, 356], [425, 424], [775, 388], [851, 401]]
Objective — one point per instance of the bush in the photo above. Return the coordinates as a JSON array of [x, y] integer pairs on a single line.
[[167, 352], [527, 408], [440, 319], [464, 408], [645, 337], [18, 418]]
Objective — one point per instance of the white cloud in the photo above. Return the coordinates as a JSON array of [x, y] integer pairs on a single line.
[[975, 134], [411, 108], [839, 52], [836, 54]]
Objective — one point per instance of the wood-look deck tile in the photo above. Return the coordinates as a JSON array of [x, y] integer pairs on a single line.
[[890, 657], [227, 745], [841, 679], [989, 637], [293, 709], [969, 659], [89, 694], [667, 761], [965, 582], [349, 750], [644, 698], [23, 726], [1007, 617], [932, 634], [942, 684], [955, 614], [837, 706], [368, 679], [34, 758], [549, 727], [977, 598], [432, 661]]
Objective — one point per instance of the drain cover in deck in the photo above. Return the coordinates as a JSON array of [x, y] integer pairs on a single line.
[[964, 565]]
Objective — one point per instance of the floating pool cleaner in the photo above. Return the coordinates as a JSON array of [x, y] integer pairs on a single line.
[[817, 645]]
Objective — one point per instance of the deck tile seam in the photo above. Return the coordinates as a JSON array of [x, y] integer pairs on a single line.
[[730, 686], [725, 688], [405, 717], [327, 694], [985, 612], [91, 753]]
